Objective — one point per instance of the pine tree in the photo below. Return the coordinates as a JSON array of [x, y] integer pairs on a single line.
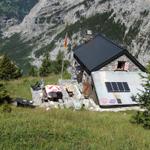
[[144, 101], [57, 65], [8, 69], [49, 66], [33, 71], [59, 61], [60, 56], [46, 67]]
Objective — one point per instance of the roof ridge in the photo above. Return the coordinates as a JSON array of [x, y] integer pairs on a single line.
[[104, 37], [109, 40]]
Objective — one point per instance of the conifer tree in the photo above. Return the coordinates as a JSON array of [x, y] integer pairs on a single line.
[[33, 71], [8, 69], [45, 69], [144, 101], [49, 66], [58, 62], [57, 67]]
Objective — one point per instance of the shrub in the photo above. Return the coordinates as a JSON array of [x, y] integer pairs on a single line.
[[4, 96], [7, 108], [137, 118], [144, 100]]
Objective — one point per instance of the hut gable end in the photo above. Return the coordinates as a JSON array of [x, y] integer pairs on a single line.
[[129, 65]]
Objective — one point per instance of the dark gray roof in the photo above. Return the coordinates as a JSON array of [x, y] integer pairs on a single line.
[[98, 52]]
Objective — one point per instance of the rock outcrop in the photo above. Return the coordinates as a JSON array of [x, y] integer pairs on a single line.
[[48, 19]]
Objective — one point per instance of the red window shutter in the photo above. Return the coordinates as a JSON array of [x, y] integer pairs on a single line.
[[126, 67]]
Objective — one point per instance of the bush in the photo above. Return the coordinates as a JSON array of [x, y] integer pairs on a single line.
[[7, 108], [146, 119], [4, 96], [137, 118]]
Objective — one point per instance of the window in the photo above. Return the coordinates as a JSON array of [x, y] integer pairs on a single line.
[[117, 86], [121, 65]]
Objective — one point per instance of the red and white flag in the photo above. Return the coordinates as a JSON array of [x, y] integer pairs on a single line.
[[66, 41]]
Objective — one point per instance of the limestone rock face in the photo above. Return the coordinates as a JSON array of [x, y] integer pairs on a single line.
[[48, 18]]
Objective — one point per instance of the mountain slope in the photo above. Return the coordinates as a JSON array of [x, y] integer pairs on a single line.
[[13, 11], [126, 22]]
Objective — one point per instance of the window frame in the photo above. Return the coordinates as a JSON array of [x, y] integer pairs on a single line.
[[123, 66]]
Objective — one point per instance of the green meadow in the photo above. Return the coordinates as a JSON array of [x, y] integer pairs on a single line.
[[38, 129], [21, 87]]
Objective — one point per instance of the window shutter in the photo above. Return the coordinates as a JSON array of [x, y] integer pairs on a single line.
[[126, 67]]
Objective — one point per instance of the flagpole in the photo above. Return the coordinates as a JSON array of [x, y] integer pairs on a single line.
[[62, 68], [65, 47]]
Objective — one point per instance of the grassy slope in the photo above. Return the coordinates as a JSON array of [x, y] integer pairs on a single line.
[[67, 130], [21, 87]]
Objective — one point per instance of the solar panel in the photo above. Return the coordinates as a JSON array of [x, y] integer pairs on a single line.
[[115, 87], [126, 87], [109, 87], [120, 86]]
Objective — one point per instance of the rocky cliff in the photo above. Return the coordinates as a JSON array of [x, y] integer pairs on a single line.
[[126, 22]]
